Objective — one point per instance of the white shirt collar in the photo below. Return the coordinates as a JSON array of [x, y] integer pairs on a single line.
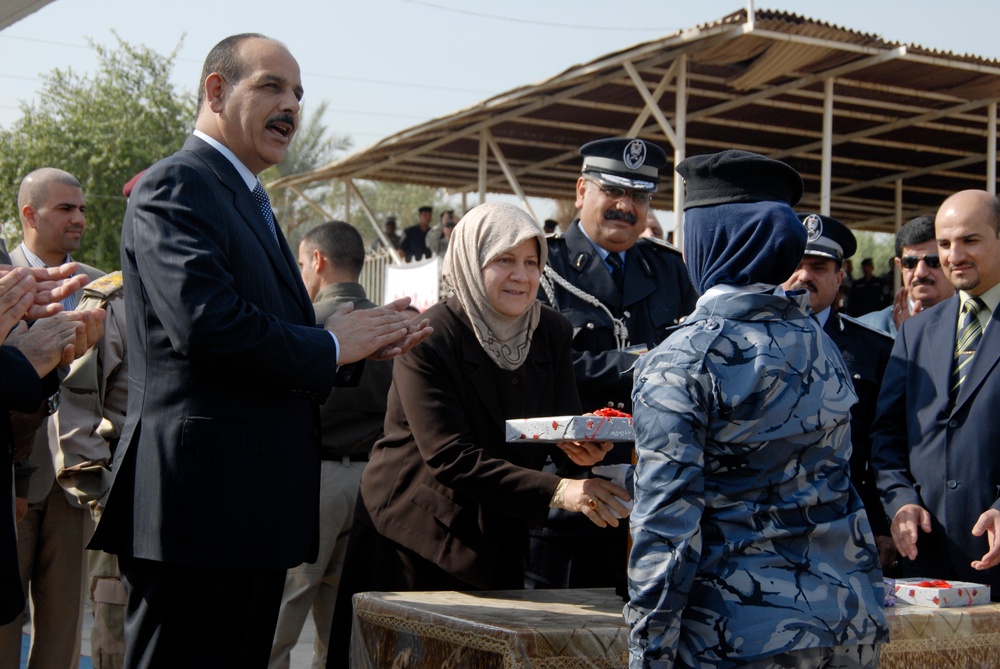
[[249, 177], [34, 260]]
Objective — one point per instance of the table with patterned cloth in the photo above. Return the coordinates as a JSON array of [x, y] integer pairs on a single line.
[[560, 629], [930, 638]]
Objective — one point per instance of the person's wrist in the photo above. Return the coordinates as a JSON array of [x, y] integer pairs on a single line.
[[559, 496]]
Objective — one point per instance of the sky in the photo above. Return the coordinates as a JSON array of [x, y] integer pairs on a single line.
[[386, 65]]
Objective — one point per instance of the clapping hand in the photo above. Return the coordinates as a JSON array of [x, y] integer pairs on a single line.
[[380, 333]]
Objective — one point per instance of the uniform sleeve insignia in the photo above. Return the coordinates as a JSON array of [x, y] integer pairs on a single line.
[[106, 286], [656, 242]]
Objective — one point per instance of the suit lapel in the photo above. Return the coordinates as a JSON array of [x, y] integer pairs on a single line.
[[280, 254], [938, 348], [986, 358]]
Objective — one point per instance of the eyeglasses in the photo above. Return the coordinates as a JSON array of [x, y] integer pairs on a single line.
[[615, 193], [911, 262]]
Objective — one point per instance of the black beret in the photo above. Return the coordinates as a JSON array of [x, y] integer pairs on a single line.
[[828, 237], [421, 210], [738, 176], [624, 161]]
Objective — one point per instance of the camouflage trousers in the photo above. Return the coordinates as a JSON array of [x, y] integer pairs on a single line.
[[107, 599], [863, 656]]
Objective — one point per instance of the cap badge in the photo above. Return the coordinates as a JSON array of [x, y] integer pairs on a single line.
[[814, 227], [635, 154]]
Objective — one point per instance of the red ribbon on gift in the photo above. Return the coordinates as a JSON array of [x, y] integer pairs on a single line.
[[934, 584]]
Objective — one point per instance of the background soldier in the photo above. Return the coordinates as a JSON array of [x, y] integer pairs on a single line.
[[89, 421]]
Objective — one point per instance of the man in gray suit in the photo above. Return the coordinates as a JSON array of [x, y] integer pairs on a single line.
[[54, 528], [217, 473]]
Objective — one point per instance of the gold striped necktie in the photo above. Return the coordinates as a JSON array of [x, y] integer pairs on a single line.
[[968, 339]]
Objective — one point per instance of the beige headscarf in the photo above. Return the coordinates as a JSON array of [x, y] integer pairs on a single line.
[[483, 234]]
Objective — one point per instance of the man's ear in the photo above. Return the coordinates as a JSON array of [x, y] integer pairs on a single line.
[[215, 89], [581, 188], [28, 216], [318, 261]]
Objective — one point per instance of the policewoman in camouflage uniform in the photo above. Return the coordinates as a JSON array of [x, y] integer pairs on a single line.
[[750, 546]]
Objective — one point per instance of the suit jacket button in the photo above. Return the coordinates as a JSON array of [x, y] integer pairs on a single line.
[[953, 423], [589, 326], [952, 484]]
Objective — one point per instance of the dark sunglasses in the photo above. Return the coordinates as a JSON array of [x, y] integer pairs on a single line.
[[911, 262]]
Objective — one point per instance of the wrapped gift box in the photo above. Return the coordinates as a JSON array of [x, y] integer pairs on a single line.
[[570, 428], [940, 594]]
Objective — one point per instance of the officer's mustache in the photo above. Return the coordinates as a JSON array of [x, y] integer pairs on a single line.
[[928, 281], [615, 215], [804, 285]]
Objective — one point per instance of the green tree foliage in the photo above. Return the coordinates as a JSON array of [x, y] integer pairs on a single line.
[[103, 129]]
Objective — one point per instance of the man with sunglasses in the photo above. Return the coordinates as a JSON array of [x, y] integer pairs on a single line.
[[924, 282], [865, 351], [621, 292]]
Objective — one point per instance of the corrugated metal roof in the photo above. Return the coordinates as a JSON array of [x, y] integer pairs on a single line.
[[900, 112]]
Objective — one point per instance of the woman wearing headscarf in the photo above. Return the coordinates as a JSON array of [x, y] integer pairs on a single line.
[[750, 546], [445, 502]]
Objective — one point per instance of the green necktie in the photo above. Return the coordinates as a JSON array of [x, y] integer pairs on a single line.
[[968, 339]]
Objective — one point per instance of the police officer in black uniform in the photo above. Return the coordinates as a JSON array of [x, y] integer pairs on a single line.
[[865, 350], [613, 195], [621, 292]]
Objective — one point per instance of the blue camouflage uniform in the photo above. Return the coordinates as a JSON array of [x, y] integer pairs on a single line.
[[748, 539]]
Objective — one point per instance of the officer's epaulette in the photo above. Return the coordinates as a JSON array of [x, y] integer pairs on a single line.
[[106, 286], [661, 243], [855, 321]]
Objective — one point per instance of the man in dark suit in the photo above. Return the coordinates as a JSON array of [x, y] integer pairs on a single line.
[[865, 350], [933, 440], [217, 471]]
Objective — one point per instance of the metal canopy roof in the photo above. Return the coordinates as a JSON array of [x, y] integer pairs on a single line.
[[891, 129], [13, 11]]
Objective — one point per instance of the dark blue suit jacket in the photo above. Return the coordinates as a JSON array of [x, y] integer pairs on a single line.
[[218, 463], [940, 457]]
